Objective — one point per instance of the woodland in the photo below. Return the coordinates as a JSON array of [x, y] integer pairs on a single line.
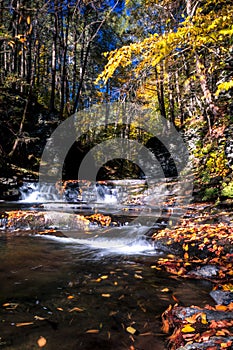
[[176, 57]]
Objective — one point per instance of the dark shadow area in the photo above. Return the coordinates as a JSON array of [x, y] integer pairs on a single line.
[[118, 169], [164, 157]]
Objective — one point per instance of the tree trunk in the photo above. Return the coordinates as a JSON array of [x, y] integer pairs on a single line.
[[211, 109], [53, 59]]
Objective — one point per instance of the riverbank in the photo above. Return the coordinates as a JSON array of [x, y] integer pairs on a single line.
[[203, 251]]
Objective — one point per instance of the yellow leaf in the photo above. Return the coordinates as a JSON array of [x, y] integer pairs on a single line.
[[203, 318], [220, 333], [106, 295], [104, 277], [185, 247], [187, 329], [165, 290], [41, 342], [70, 297], [131, 330]]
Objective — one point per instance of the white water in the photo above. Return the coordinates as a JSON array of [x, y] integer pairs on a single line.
[[115, 198], [46, 193], [36, 193]]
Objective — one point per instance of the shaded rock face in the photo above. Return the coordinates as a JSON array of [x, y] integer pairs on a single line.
[[222, 297], [9, 189], [207, 271], [164, 157]]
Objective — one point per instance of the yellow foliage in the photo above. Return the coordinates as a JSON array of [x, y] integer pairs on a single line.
[[225, 86], [209, 26]]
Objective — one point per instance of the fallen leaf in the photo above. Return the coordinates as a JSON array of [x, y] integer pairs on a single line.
[[131, 330], [76, 309], [104, 277], [60, 309], [187, 329], [106, 295], [10, 306], [38, 318], [92, 331], [41, 342], [70, 297], [221, 307], [203, 318], [22, 324]]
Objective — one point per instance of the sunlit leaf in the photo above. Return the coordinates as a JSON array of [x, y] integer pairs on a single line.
[[221, 307], [131, 330], [187, 329], [41, 342]]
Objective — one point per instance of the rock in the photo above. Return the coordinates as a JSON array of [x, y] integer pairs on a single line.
[[214, 342], [207, 271], [222, 297], [183, 312]]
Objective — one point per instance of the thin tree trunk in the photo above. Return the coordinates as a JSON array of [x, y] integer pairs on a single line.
[[53, 63], [171, 99], [179, 99], [160, 93], [83, 71], [211, 110]]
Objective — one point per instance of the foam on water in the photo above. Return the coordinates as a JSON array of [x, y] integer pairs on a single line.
[[121, 240], [106, 247]]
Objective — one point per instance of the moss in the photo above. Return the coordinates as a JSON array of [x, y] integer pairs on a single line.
[[210, 194], [227, 190]]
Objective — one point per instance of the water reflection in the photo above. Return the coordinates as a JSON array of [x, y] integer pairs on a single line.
[[73, 288]]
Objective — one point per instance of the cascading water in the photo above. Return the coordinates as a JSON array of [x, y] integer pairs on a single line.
[[131, 204], [34, 192]]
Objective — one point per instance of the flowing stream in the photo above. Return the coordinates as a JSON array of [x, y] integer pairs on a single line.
[[84, 290]]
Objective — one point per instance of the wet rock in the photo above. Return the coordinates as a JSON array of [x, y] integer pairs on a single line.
[[214, 343], [207, 271], [183, 312], [9, 189], [222, 297]]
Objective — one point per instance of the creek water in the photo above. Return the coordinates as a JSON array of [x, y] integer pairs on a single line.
[[82, 291]]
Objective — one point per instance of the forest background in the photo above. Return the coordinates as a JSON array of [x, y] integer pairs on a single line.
[[175, 57]]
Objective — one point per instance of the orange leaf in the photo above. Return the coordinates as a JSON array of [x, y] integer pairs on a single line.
[[221, 307], [24, 324], [93, 331], [41, 342], [165, 327]]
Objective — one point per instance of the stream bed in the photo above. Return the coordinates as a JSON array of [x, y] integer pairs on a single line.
[[82, 298], [94, 289]]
